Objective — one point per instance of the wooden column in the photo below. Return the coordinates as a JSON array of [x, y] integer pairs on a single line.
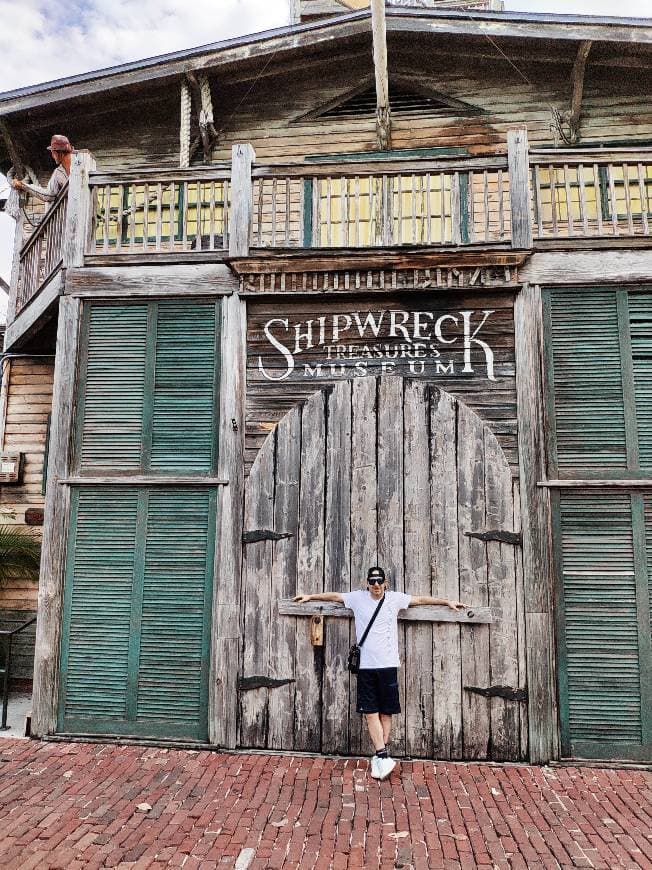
[[383, 120], [225, 647], [78, 212], [242, 157], [536, 524], [15, 273], [57, 505], [519, 187]]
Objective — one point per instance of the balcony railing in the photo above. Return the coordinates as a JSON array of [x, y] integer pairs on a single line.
[[518, 199], [41, 255], [592, 194], [154, 212], [369, 204]]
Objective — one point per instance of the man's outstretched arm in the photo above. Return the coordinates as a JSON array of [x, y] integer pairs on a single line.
[[446, 602], [319, 596]]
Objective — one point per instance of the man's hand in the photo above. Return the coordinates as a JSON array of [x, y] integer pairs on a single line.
[[456, 605], [17, 184], [301, 599]]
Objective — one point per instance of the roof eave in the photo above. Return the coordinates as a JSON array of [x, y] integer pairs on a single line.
[[495, 24]]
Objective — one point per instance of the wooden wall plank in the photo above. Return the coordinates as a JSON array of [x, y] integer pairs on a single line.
[[473, 580], [418, 662], [257, 598], [365, 517], [502, 584], [337, 569], [310, 572], [283, 630], [390, 459], [445, 562]]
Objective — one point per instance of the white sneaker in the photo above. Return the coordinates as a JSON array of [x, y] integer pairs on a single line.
[[375, 772], [385, 767]]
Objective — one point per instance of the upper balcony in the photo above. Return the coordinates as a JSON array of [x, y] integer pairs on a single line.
[[517, 200]]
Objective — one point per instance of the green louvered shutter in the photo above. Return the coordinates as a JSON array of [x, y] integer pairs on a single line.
[[149, 387], [587, 380], [98, 607], [602, 707], [648, 552], [136, 634], [640, 326], [183, 413], [113, 387], [135, 643], [174, 634]]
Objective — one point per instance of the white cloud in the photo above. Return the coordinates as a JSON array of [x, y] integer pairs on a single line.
[[43, 41]]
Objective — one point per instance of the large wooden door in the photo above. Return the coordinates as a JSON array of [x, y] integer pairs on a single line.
[[393, 472]]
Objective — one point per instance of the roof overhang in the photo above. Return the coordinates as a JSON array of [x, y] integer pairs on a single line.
[[286, 40]]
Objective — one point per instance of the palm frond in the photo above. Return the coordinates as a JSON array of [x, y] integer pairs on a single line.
[[20, 554]]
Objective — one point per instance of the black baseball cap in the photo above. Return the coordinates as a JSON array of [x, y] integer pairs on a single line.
[[375, 572]]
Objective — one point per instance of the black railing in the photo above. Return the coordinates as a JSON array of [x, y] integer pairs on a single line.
[[6, 636]]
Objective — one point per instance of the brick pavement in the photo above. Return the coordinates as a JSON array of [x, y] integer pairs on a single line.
[[76, 805]]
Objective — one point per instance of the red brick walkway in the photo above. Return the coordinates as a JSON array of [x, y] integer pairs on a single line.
[[77, 806]]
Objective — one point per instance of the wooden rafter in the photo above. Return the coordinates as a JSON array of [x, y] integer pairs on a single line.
[[383, 119], [577, 84]]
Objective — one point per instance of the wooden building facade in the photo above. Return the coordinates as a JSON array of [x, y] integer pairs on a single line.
[[273, 354]]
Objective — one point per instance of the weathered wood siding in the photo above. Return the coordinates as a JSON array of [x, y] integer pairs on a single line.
[[28, 405], [391, 471], [141, 128], [353, 355]]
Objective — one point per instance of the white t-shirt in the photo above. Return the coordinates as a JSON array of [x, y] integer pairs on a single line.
[[380, 649]]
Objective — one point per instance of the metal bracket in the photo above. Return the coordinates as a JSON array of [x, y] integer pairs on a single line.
[[500, 535], [256, 535], [247, 684], [506, 692]]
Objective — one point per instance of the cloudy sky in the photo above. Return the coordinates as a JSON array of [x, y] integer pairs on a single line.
[[40, 41]]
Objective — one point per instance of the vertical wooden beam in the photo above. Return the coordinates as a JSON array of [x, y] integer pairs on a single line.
[[242, 157], [225, 644], [577, 91], [519, 187], [15, 274], [57, 504], [78, 210], [383, 119], [536, 527]]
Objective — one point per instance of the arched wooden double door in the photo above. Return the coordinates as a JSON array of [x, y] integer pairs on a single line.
[[394, 472]]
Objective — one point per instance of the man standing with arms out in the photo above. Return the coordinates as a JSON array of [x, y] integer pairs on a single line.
[[61, 151], [378, 697]]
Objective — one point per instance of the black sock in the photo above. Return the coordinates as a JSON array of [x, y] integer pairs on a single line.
[[381, 753]]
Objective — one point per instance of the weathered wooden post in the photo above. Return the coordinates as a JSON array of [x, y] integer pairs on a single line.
[[79, 211], [537, 543], [242, 158], [519, 187], [57, 496], [383, 119]]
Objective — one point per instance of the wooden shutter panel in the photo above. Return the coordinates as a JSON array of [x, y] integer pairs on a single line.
[[640, 325], [151, 370], [135, 651], [183, 423], [587, 374], [601, 622], [98, 601], [174, 642], [648, 550], [114, 387]]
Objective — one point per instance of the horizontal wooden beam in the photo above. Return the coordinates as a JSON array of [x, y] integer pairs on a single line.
[[38, 311], [422, 613], [155, 278], [632, 483], [143, 480], [321, 260]]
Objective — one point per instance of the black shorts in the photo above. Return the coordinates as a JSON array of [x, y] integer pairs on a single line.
[[378, 691]]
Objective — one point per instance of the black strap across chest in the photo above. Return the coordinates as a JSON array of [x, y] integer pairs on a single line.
[[371, 622]]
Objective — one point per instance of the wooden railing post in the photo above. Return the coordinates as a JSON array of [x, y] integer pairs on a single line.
[[79, 211], [518, 161], [242, 158]]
